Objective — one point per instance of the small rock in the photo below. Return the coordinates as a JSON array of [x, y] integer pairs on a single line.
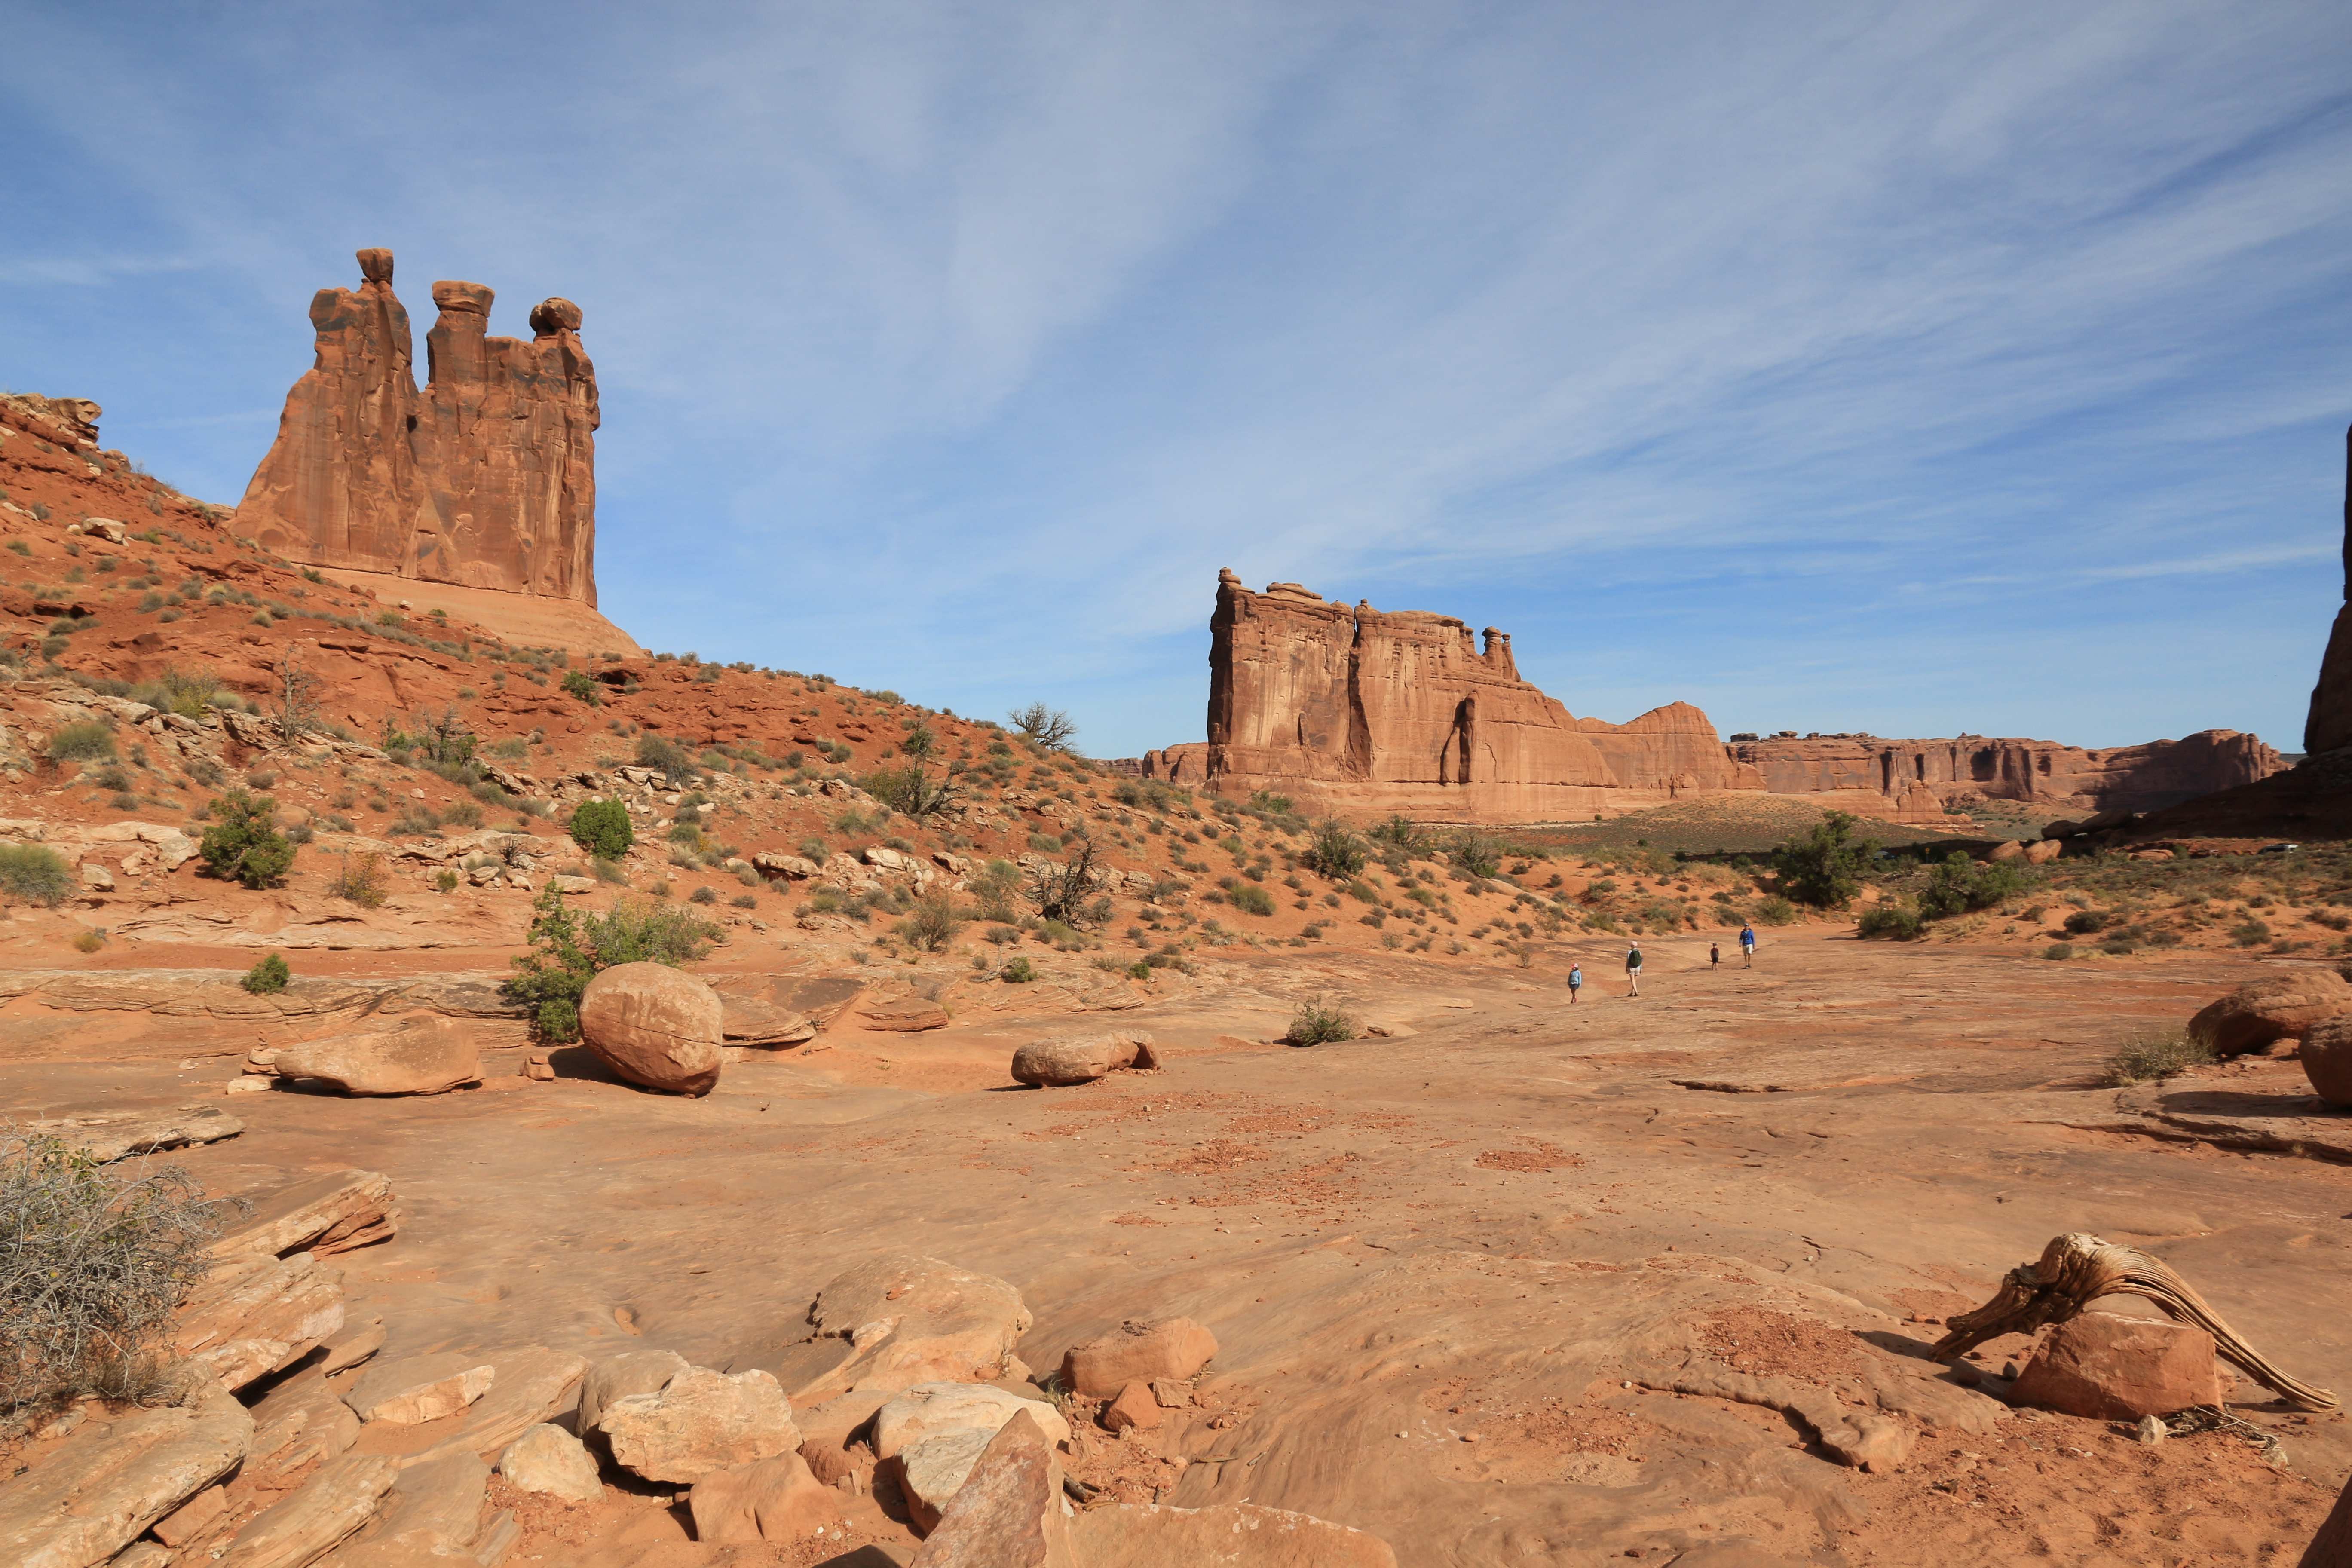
[[191, 1518], [1134, 1409], [2152, 1430], [910, 1015], [1007, 1509], [931, 1409], [1170, 1395], [417, 1389], [700, 1423], [769, 1499], [617, 1377], [547, 1458], [1063, 1063], [352, 1346], [340, 1497], [747, 1021], [419, 1055], [934, 1470], [2109, 1368], [1174, 1348]]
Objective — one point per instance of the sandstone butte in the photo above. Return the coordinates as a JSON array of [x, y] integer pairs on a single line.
[[477, 495], [1369, 712]]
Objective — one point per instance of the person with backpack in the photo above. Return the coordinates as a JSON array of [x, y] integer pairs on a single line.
[[1713, 956], [1575, 982], [1633, 970], [1747, 944]]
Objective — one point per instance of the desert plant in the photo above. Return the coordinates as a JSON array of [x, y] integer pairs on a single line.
[[1823, 867], [88, 941], [1890, 922], [1048, 727], [667, 756], [1251, 898], [83, 740], [932, 924], [363, 881], [1336, 852], [1318, 1022], [1772, 909], [2154, 1054], [579, 683], [1477, 854], [568, 949], [1959, 886], [1061, 892], [602, 828], [243, 845], [94, 1260], [268, 977], [297, 703], [2058, 951], [36, 874], [1017, 972]]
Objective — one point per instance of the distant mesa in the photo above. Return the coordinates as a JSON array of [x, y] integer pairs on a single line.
[[479, 493], [1375, 711]]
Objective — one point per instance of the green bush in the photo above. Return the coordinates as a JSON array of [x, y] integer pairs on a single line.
[[36, 874], [933, 924], [243, 845], [2086, 922], [567, 950], [1824, 868], [602, 828], [1775, 911], [580, 684], [83, 740], [1890, 922], [95, 1261], [1336, 852], [677, 767], [268, 977], [1961, 886], [1319, 1024], [2058, 951], [1251, 898], [2154, 1054], [1017, 972]]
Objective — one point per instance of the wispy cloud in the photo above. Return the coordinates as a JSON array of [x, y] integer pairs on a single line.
[[1672, 337]]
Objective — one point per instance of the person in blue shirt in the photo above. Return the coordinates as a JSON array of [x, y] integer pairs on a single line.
[[1575, 982], [1748, 945], [1633, 970]]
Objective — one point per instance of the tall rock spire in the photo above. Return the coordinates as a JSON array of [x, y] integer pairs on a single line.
[[2329, 726]]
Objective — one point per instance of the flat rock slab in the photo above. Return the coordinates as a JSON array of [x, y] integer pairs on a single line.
[[327, 1214], [257, 1314], [528, 1386], [1228, 1535], [909, 1320], [417, 1389], [700, 1422], [423, 1055], [340, 1497], [930, 1409], [907, 1016], [108, 1138], [745, 1021], [99, 1490], [2279, 1124]]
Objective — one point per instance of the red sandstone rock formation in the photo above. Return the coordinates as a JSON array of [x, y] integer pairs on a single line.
[[1877, 776], [487, 481], [1405, 711], [2329, 725]]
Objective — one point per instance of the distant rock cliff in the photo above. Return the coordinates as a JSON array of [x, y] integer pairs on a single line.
[[486, 481], [1405, 711], [1972, 768]]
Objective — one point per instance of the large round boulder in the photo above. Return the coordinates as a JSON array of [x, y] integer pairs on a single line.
[[2327, 1060], [655, 1027], [1060, 1063], [2268, 1011]]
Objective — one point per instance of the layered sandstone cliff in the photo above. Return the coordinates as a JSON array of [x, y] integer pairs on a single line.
[[1878, 777], [486, 480], [1360, 709], [2329, 724]]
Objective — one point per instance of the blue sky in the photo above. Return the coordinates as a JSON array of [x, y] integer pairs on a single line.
[[1911, 368]]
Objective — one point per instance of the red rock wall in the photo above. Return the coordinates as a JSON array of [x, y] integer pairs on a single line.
[[2329, 724], [487, 481], [1404, 710], [2039, 773]]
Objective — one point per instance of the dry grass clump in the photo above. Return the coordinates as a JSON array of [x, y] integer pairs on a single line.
[[1318, 1024], [2150, 1055]]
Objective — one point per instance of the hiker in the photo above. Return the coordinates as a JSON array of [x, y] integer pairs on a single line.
[[1713, 956], [1633, 969], [1575, 982], [1747, 944]]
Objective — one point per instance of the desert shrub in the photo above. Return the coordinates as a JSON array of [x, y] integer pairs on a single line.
[[1336, 852], [414, 821], [1823, 867], [568, 949], [1775, 911], [268, 977], [1400, 834], [88, 941], [2250, 932], [83, 740], [2058, 951], [602, 828], [1478, 854], [243, 845], [1251, 899], [1890, 922], [1017, 972], [187, 694], [1318, 1022], [362, 881], [446, 880], [461, 814], [2150, 1054], [702, 896], [2087, 922], [667, 756], [36, 874], [1958, 885], [580, 684], [94, 1260], [1047, 727], [933, 924], [1063, 892]]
